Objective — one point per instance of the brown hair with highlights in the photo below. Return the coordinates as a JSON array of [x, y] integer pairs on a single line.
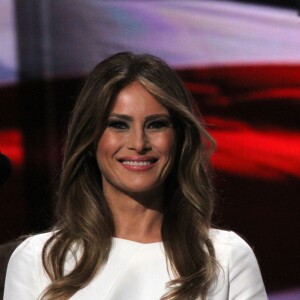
[[84, 220]]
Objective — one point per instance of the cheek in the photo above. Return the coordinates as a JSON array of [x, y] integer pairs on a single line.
[[166, 143], [107, 146]]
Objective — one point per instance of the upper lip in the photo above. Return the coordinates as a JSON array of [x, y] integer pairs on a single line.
[[138, 158]]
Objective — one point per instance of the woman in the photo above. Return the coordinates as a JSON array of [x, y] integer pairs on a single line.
[[135, 200]]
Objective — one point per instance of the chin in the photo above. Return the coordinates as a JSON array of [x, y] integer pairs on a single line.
[[142, 188]]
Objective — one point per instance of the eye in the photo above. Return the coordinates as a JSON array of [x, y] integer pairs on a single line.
[[159, 124], [117, 125]]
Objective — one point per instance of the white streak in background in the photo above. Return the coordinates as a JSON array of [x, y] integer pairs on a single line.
[[184, 33], [8, 53]]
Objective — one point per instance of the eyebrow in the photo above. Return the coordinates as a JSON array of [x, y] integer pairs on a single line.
[[148, 118], [120, 116]]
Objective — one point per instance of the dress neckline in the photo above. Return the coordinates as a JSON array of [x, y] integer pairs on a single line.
[[125, 241]]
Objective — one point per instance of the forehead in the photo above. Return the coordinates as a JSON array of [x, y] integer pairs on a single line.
[[134, 99]]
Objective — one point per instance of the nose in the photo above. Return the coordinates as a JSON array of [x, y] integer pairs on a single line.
[[138, 141]]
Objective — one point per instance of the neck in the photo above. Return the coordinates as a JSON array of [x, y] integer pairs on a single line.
[[137, 217]]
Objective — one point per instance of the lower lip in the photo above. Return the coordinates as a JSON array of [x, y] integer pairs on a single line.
[[138, 168]]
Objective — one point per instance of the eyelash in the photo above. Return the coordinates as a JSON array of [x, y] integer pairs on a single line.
[[155, 125], [120, 125], [158, 124]]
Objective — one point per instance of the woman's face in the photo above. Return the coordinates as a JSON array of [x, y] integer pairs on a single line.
[[136, 151]]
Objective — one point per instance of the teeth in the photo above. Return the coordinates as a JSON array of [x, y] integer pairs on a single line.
[[136, 163]]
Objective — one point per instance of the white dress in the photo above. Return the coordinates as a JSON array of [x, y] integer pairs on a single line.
[[137, 271]]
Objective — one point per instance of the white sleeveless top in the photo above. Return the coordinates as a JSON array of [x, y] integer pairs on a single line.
[[137, 271]]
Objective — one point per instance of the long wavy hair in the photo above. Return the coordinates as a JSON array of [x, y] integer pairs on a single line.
[[84, 220]]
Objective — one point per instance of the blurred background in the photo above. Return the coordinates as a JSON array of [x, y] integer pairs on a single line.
[[241, 61]]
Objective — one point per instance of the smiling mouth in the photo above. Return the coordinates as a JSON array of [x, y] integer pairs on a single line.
[[138, 163]]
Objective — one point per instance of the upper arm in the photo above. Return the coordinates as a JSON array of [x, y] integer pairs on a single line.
[[20, 281], [245, 281]]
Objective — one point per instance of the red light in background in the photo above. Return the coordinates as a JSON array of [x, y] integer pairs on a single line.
[[271, 154], [11, 145]]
